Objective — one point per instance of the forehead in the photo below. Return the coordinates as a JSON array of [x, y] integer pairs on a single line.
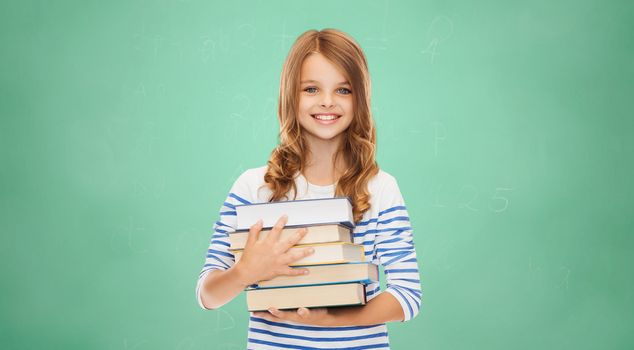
[[318, 69]]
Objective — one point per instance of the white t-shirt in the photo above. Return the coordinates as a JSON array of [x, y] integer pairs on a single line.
[[385, 234]]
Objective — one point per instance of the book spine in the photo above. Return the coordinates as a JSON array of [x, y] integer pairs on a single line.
[[347, 224]]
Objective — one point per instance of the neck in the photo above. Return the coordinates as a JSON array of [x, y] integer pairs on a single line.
[[322, 151], [320, 169]]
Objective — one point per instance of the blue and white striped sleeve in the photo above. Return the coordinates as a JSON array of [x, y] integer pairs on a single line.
[[394, 247], [218, 255]]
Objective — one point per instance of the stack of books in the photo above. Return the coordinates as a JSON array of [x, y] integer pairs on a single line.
[[338, 272]]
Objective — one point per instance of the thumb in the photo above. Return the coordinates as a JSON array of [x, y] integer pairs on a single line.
[[303, 312]]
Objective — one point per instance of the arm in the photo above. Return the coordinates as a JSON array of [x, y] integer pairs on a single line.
[[381, 309], [394, 247], [221, 286], [219, 281], [219, 261], [262, 260]]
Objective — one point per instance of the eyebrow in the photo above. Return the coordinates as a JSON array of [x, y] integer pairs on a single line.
[[315, 81]]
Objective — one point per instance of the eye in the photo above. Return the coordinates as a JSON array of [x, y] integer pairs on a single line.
[[310, 88], [345, 91]]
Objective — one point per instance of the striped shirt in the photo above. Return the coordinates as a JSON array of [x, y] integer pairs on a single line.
[[386, 235]]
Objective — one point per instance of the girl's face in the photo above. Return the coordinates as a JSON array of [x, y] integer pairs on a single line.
[[325, 99]]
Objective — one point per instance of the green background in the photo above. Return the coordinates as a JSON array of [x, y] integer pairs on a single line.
[[508, 126]]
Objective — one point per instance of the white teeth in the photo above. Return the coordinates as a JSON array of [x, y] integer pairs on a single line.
[[325, 116]]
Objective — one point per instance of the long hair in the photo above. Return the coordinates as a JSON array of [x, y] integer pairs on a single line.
[[358, 146]]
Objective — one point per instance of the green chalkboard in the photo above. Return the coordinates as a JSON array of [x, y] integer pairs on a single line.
[[508, 126]]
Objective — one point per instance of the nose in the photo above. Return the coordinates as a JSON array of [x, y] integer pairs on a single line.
[[326, 100]]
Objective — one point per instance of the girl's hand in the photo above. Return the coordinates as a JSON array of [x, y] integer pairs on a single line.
[[315, 317], [269, 257]]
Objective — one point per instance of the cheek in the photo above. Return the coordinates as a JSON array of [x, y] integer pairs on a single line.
[[348, 123], [303, 106], [349, 105]]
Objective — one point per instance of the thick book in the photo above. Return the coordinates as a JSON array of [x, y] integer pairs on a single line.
[[303, 212], [315, 234], [365, 273], [327, 295], [325, 253]]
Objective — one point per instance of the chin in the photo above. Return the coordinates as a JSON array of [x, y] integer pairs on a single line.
[[329, 137]]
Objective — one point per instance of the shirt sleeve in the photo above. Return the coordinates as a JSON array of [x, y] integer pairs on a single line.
[[218, 255], [394, 247]]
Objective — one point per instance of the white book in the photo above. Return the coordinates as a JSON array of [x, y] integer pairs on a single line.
[[315, 234], [303, 212]]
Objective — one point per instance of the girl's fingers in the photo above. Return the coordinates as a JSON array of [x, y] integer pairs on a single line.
[[296, 254], [303, 312], [295, 271], [254, 233], [286, 245], [274, 235]]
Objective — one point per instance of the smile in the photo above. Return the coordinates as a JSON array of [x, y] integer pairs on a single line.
[[326, 117]]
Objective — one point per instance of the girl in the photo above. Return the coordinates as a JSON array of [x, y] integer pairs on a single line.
[[326, 149]]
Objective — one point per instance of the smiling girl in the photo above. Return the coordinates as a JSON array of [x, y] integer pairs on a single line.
[[326, 149]]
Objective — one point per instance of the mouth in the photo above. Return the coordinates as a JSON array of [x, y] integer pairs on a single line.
[[326, 118]]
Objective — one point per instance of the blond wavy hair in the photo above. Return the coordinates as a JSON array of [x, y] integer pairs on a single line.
[[358, 146]]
